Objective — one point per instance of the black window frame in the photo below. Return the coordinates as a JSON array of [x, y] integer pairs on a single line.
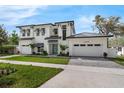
[[43, 31], [89, 44], [82, 45], [28, 32], [64, 30], [55, 31], [37, 32], [76, 44], [97, 44], [23, 32]]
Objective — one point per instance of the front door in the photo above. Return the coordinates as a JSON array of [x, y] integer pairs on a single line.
[[53, 49]]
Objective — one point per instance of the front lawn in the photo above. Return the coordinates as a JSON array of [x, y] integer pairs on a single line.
[[26, 76], [119, 60], [55, 60]]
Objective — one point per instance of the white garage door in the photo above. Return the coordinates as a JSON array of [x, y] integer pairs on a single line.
[[25, 50], [87, 50]]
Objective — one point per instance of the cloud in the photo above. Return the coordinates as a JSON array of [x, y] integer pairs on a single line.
[[13, 15], [85, 23]]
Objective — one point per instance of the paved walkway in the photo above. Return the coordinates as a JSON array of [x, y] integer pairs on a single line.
[[34, 64], [9, 56]]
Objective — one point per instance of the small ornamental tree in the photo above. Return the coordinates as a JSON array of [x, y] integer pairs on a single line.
[[63, 48], [32, 48]]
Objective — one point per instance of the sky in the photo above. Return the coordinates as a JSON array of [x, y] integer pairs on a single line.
[[83, 15]]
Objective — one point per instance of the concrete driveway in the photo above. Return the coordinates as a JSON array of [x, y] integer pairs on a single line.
[[94, 62], [79, 74], [88, 73], [87, 77]]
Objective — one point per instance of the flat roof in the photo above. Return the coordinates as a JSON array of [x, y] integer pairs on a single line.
[[45, 24], [88, 35]]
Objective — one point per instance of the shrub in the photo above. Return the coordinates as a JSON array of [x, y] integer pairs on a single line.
[[6, 82], [7, 49], [105, 54], [45, 53]]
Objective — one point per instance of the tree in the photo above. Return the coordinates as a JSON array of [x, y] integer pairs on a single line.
[[3, 35], [110, 25], [63, 48], [32, 48], [14, 38]]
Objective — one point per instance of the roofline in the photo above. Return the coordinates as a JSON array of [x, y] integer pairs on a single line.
[[34, 25], [90, 36], [45, 24], [64, 22]]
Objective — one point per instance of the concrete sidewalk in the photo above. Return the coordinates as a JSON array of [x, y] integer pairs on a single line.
[[9, 56]]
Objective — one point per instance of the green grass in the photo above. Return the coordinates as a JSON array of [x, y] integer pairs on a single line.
[[29, 76], [119, 60], [54, 60]]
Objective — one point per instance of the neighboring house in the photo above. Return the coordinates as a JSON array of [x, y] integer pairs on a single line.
[[46, 37], [120, 50], [50, 36]]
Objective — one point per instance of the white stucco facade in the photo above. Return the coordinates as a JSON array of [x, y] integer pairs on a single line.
[[82, 48], [49, 37]]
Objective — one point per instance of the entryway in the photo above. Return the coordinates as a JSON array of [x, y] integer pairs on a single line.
[[53, 49]]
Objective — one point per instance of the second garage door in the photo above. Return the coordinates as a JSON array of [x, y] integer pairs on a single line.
[[87, 50]]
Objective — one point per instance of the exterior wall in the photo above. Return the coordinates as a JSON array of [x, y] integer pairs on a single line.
[[102, 41], [24, 47], [112, 52], [41, 38]]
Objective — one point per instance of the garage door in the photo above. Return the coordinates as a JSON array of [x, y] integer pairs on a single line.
[[25, 50], [87, 50]]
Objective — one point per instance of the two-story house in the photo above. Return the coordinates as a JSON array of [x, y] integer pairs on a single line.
[[49, 37], [45, 37]]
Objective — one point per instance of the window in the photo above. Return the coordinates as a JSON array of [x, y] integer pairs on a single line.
[[43, 31], [89, 44], [39, 49], [82, 45], [55, 31], [64, 27], [64, 32], [28, 32], [76, 44], [97, 44], [23, 33], [119, 48], [37, 32]]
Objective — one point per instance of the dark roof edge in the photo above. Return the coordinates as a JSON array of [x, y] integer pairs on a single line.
[[64, 22], [34, 25], [91, 36], [45, 24]]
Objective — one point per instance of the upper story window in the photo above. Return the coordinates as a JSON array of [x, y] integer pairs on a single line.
[[55, 31], [37, 32], [43, 31], [23, 32], [64, 32], [28, 32], [63, 26]]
